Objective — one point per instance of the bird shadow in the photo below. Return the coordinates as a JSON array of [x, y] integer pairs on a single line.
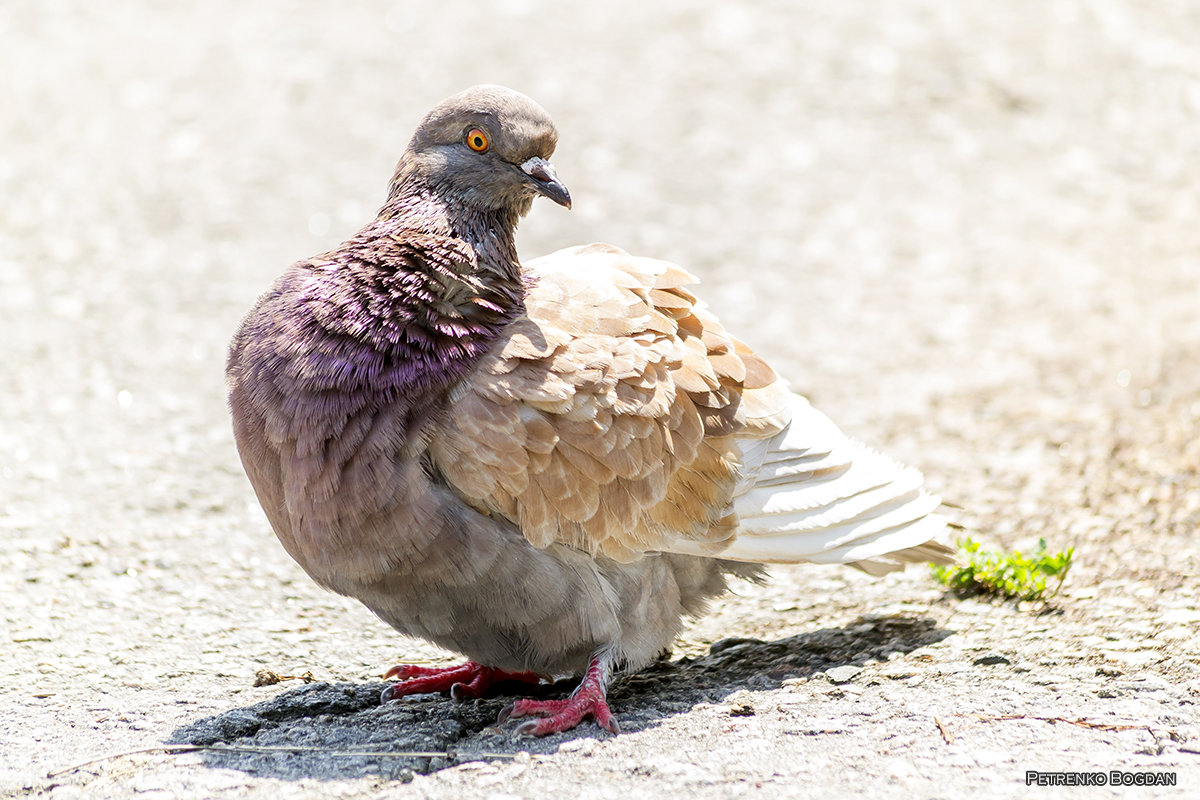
[[337, 731]]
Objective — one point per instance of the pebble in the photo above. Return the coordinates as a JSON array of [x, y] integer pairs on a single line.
[[843, 674], [897, 672], [988, 659]]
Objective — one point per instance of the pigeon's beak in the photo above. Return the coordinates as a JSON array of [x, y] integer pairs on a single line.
[[542, 178]]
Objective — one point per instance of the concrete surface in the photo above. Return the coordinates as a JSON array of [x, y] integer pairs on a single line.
[[968, 230]]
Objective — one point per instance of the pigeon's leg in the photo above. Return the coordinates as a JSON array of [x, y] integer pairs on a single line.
[[465, 680], [589, 700]]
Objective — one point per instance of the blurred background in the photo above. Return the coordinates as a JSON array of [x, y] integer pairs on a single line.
[[969, 231]]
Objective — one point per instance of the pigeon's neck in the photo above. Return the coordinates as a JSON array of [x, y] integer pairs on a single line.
[[465, 260], [423, 294], [490, 232]]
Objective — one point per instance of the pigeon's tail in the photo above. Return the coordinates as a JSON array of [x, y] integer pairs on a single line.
[[809, 493]]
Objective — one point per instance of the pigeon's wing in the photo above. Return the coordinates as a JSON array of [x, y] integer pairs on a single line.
[[607, 419], [619, 417]]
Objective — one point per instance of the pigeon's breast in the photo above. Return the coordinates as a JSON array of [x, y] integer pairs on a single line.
[[333, 377]]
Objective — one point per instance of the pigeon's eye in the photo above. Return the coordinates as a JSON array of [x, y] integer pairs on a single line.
[[477, 140]]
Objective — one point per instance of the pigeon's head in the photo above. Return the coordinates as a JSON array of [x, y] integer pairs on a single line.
[[487, 148]]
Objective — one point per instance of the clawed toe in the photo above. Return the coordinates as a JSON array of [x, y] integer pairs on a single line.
[[555, 716], [462, 682]]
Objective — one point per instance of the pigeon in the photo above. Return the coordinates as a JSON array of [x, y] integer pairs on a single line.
[[545, 467]]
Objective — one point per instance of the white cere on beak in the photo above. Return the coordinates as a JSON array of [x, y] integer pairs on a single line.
[[538, 169]]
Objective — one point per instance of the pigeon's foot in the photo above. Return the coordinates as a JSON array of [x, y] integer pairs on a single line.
[[466, 680], [555, 716]]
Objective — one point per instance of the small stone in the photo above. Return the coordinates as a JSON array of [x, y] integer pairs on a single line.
[[988, 659], [843, 674], [897, 672]]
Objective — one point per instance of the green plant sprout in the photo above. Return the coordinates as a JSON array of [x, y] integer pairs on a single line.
[[1015, 574]]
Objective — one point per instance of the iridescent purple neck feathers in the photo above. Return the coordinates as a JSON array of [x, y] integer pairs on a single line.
[[407, 309]]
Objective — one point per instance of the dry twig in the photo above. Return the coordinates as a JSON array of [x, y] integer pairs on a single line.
[[1084, 723]]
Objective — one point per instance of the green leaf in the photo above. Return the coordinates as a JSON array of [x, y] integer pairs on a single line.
[[1000, 574]]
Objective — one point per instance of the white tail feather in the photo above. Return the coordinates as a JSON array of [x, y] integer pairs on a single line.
[[812, 494]]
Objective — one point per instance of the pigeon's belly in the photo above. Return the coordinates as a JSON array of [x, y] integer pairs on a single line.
[[487, 593]]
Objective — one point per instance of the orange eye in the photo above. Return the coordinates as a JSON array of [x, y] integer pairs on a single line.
[[477, 140]]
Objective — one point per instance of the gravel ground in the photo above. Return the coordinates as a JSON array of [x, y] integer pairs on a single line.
[[967, 230]]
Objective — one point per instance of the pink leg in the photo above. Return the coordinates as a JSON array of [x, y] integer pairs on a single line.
[[589, 700], [466, 680]]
